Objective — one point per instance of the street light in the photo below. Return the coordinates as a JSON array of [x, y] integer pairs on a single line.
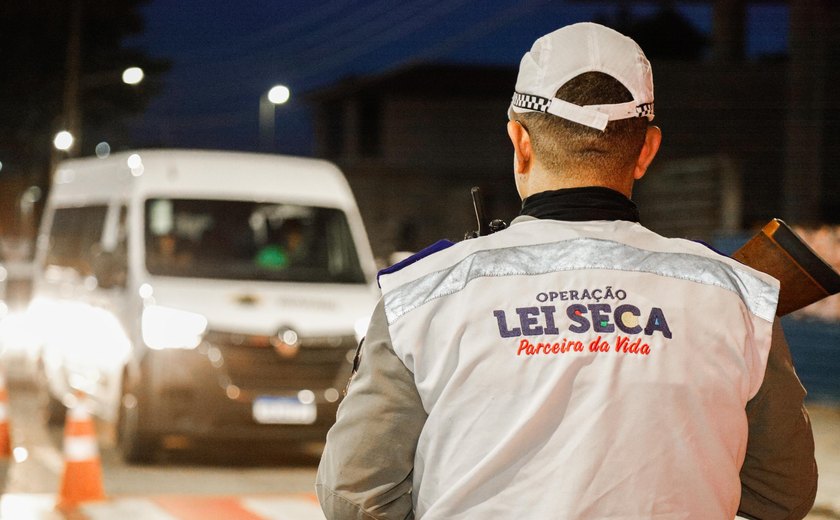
[[132, 75], [277, 95], [63, 140]]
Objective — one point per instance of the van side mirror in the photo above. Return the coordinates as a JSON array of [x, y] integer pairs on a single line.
[[109, 269]]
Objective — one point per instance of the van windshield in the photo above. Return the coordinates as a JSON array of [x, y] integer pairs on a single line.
[[247, 240]]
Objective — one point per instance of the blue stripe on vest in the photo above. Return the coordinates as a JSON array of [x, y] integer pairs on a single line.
[[440, 245]]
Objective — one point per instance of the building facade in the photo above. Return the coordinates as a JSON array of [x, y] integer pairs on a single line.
[[413, 142]]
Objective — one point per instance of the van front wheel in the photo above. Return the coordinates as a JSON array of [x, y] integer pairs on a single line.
[[135, 445], [53, 410]]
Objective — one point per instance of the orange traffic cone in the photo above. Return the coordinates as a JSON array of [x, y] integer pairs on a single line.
[[82, 479], [5, 437]]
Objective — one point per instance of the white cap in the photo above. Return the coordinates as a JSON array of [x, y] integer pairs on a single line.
[[570, 51]]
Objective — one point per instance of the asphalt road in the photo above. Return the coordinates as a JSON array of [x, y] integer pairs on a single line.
[[212, 472], [236, 482]]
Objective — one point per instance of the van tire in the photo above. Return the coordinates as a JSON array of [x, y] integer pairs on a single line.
[[54, 412], [135, 445]]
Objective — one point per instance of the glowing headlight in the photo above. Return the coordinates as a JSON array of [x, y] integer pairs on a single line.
[[165, 327], [17, 332]]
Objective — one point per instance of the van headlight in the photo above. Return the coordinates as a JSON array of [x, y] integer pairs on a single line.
[[165, 327]]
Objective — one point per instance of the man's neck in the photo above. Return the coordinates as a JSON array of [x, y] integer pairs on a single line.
[[539, 180], [580, 204]]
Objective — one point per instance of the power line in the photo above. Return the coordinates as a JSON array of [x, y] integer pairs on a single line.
[[333, 34], [368, 31], [255, 40], [399, 24], [476, 31], [393, 33]]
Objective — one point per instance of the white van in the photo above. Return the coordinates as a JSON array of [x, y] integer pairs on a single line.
[[202, 294]]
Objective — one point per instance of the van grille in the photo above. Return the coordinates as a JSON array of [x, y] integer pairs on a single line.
[[252, 364]]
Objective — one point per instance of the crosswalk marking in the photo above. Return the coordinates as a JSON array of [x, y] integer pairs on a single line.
[[205, 508], [134, 508], [286, 508], [29, 506]]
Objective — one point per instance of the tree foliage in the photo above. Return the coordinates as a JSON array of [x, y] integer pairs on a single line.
[[34, 39], [665, 34]]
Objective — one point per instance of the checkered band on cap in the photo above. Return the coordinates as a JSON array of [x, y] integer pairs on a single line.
[[541, 104], [596, 116], [644, 110], [531, 102]]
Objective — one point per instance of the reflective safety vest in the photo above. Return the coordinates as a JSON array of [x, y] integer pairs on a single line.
[[580, 370]]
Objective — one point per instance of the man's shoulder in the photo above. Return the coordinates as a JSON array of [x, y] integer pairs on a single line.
[[680, 245], [426, 252]]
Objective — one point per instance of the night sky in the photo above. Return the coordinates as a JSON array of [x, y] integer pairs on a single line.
[[226, 54]]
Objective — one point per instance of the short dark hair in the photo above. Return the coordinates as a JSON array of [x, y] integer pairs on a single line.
[[568, 148]]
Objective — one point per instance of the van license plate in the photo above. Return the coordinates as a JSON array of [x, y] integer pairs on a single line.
[[283, 410]]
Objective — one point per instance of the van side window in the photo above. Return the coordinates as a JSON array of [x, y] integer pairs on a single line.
[[74, 238]]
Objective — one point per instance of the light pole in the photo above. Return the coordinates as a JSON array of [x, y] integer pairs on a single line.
[[26, 205], [71, 81], [277, 95]]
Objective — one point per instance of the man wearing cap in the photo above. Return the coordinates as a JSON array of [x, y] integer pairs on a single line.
[[575, 365]]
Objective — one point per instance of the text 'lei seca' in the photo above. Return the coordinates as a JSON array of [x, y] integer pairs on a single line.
[[621, 327]]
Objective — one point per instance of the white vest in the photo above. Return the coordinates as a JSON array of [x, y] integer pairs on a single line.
[[580, 371]]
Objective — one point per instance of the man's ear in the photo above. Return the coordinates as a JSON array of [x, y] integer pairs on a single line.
[[653, 138], [523, 153]]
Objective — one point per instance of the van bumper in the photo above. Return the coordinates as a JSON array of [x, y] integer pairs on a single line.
[[210, 392]]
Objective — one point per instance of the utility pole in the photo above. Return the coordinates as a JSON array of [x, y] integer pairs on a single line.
[[729, 19], [72, 115], [812, 25]]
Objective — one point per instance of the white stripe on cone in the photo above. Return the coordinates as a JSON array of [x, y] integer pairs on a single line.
[[78, 413], [82, 448]]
